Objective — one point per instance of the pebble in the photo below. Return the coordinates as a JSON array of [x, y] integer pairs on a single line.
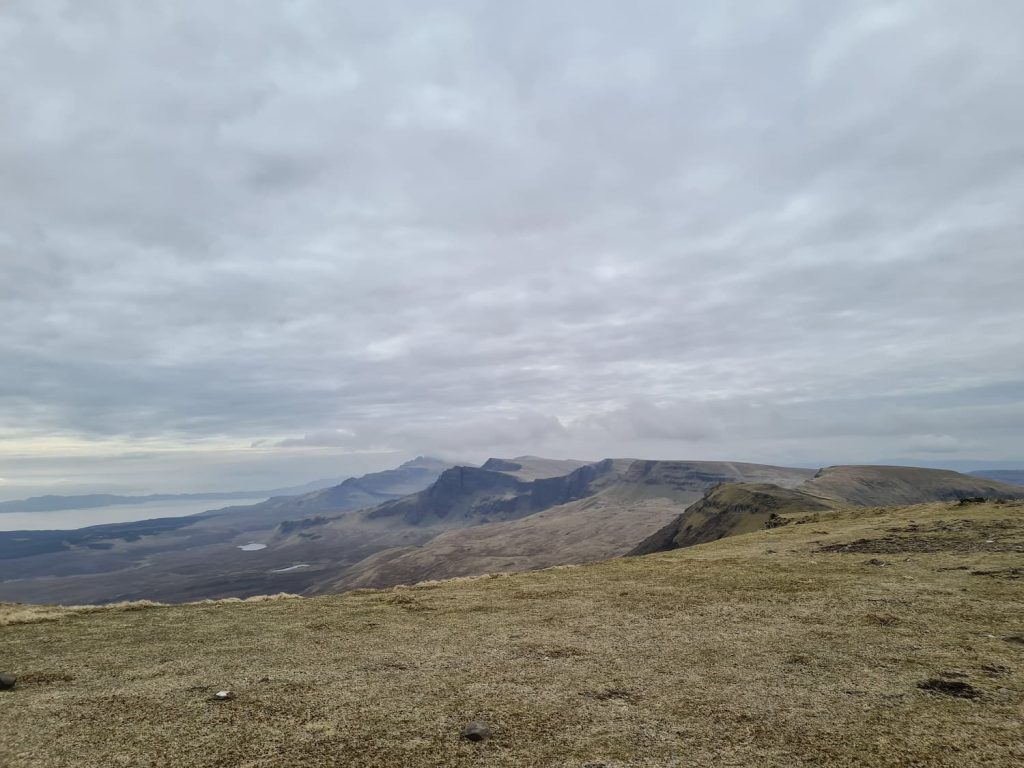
[[223, 695], [478, 730], [7, 681]]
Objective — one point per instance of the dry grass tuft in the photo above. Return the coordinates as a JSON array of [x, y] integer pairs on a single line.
[[21, 613], [882, 619]]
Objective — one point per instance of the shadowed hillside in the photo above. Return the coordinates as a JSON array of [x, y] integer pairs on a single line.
[[1011, 476], [182, 557], [466, 495], [729, 509]]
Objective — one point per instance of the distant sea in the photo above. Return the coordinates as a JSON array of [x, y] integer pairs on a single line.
[[66, 519]]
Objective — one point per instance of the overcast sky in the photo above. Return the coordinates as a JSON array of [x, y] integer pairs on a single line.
[[248, 244]]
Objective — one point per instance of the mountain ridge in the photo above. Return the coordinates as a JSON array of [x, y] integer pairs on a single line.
[[737, 508], [596, 511], [1012, 476], [507, 514], [176, 558]]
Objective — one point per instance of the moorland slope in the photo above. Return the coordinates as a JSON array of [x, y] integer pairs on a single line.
[[856, 637]]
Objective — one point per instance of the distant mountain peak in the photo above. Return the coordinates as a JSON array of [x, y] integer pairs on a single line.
[[426, 462], [501, 465]]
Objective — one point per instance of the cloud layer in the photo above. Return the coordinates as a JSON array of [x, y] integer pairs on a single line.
[[771, 231]]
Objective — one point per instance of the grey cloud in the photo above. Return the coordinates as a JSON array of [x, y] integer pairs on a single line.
[[934, 444], [329, 439], [468, 436], [787, 230]]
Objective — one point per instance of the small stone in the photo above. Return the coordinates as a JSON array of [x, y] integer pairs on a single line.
[[223, 696], [7, 681], [875, 561], [478, 730], [1016, 639]]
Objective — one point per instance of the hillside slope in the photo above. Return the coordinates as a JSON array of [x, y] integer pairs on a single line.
[[734, 509], [730, 509], [874, 485], [851, 641], [183, 557], [509, 514], [632, 499], [328, 532], [353, 493]]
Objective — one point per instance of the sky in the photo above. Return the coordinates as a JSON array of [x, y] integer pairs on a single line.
[[246, 245]]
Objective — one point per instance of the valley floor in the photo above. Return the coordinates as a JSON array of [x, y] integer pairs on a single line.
[[784, 647]]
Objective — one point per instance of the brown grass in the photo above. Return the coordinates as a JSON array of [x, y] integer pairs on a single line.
[[22, 613], [762, 650]]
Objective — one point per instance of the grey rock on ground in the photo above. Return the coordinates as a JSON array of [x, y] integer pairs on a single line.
[[7, 681], [478, 730]]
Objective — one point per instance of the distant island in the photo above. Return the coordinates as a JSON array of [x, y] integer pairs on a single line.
[[54, 503]]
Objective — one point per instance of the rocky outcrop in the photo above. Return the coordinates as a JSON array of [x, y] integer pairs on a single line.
[[728, 510], [466, 495], [732, 509]]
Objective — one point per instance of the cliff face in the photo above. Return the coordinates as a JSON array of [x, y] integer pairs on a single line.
[[596, 511], [406, 479], [468, 495], [729, 510]]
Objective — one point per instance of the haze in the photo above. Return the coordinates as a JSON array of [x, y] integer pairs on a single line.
[[253, 244]]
